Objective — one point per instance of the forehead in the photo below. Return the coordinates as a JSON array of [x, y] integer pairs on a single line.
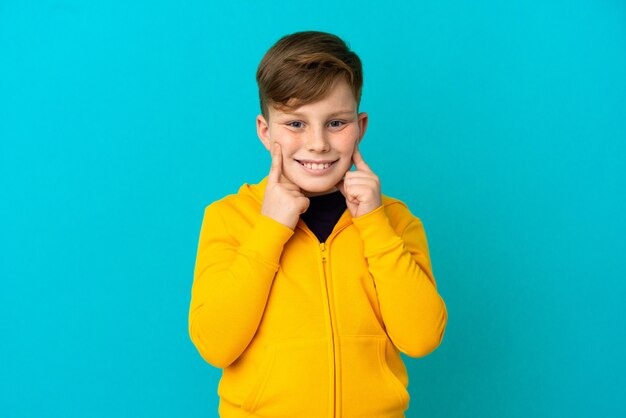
[[339, 100]]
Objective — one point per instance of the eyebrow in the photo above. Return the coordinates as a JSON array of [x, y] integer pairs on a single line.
[[340, 112]]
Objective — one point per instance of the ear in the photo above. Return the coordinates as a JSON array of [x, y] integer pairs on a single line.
[[362, 120], [263, 131]]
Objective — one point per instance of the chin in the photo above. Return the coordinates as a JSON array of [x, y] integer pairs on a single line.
[[320, 189], [312, 185]]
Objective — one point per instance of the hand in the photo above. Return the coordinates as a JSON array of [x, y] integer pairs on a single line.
[[361, 188], [283, 201]]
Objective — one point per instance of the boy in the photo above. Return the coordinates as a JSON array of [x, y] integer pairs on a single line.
[[309, 284]]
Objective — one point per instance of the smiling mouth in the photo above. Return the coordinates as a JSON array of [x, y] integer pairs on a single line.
[[316, 166]]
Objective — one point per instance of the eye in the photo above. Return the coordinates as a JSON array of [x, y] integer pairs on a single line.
[[295, 124], [337, 123]]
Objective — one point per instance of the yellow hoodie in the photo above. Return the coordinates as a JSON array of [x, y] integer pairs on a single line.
[[309, 329]]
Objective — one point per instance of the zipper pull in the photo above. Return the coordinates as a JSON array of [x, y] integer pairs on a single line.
[[323, 246]]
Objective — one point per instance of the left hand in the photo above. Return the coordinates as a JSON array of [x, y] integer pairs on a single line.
[[361, 188]]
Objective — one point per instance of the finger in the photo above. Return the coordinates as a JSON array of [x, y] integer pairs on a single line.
[[295, 193], [349, 193], [277, 164], [361, 182], [358, 160], [360, 174], [305, 202], [352, 195], [361, 177], [288, 183], [289, 186]]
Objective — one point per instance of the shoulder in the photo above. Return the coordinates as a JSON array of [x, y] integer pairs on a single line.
[[399, 214], [235, 213], [391, 201], [248, 198]]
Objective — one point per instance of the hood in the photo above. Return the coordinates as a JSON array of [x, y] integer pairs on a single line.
[[255, 191]]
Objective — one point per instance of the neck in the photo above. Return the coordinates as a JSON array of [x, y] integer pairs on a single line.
[[312, 194]]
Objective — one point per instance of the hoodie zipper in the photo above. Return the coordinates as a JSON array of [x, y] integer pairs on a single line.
[[332, 328], [324, 255]]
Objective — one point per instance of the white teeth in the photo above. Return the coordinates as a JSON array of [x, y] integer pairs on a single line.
[[315, 166]]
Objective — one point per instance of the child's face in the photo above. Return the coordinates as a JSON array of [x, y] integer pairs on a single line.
[[317, 140]]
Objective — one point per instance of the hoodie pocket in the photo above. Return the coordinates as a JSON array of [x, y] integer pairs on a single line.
[[293, 381], [368, 385]]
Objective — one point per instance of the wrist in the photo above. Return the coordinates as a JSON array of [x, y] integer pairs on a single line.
[[284, 219]]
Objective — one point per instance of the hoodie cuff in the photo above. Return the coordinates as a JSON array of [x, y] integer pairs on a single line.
[[376, 232], [266, 240]]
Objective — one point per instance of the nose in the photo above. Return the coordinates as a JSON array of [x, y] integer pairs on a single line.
[[317, 141]]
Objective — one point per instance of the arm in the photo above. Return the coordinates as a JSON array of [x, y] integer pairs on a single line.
[[231, 285], [414, 314], [232, 280]]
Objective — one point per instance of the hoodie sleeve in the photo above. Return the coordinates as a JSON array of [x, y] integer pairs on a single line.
[[414, 314], [232, 282]]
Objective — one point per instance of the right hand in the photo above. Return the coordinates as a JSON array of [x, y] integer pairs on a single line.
[[283, 201]]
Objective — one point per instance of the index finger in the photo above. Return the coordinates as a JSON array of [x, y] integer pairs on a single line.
[[277, 164], [359, 162]]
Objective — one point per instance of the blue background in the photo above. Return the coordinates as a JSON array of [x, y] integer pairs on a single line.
[[501, 124]]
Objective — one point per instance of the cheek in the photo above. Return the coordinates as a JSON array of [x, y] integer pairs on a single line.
[[348, 140], [286, 144]]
